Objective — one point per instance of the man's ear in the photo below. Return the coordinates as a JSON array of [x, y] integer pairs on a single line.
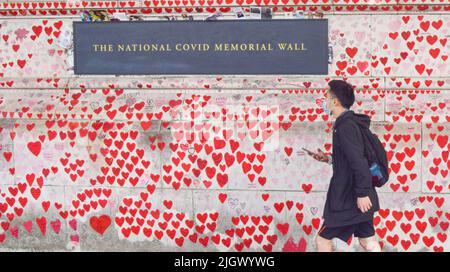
[[336, 102]]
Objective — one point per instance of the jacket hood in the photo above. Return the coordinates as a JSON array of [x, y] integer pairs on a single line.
[[362, 120]]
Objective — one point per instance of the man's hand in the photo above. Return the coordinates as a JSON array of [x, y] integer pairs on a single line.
[[320, 156], [364, 204]]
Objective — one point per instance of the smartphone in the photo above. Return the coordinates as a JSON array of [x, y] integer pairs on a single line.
[[309, 152]]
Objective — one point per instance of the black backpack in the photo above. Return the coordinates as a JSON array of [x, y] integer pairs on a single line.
[[375, 152]]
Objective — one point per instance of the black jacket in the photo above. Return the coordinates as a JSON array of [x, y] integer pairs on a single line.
[[351, 175]]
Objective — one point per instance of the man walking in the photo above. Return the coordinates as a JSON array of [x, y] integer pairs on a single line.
[[351, 198]]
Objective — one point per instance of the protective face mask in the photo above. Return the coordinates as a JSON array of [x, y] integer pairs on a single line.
[[325, 108]]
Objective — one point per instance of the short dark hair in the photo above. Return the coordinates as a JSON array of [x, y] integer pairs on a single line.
[[343, 91]]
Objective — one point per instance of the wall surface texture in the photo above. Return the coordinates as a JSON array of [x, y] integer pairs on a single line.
[[214, 163]]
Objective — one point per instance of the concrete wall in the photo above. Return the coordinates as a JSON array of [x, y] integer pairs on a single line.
[[214, 163]]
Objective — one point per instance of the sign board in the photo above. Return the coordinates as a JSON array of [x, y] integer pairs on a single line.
[[220, 47]]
